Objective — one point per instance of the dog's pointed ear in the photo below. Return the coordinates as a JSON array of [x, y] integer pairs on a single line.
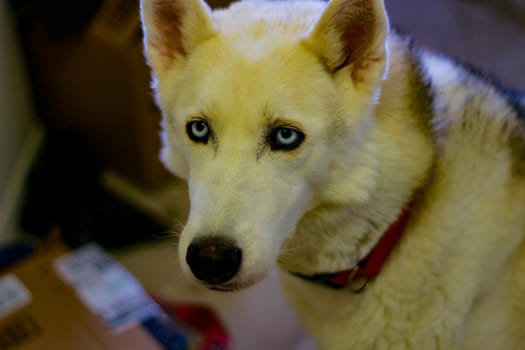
[[351, 35], [173, 28]]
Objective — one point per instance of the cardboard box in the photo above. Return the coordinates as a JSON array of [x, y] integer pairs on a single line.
[[83, 300]]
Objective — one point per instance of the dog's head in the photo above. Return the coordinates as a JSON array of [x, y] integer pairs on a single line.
[[267, 112]]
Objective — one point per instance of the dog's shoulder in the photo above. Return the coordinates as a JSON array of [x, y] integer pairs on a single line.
[[474, 111]]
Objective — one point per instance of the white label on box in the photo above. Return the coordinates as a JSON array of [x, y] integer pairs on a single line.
[[107, 288], [13, 295]]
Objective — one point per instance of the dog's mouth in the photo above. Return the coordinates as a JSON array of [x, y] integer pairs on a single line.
[[229, 287], [237, 284], [223, 288]]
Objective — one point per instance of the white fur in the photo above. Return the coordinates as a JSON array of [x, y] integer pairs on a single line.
[[452, 282]]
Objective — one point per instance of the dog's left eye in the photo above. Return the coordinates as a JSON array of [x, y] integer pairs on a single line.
[[198, 131], [285, 138]]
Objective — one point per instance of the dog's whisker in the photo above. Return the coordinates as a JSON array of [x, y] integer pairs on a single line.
[[162, 234], [178, 225], [289, 250]]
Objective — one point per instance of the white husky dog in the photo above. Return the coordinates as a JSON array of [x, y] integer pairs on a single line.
[[388, 183]]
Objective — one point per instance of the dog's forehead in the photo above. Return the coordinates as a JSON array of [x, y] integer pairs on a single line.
[[239, 87], [289, 19]]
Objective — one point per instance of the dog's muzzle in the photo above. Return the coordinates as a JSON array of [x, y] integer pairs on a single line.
[[214, 260]]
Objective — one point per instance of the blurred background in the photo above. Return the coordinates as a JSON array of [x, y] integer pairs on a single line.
[[79, 136]]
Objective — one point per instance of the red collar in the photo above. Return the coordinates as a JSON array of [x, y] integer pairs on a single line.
[[371, 265]]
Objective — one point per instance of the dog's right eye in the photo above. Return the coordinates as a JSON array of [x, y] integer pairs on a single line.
[[198, 131]]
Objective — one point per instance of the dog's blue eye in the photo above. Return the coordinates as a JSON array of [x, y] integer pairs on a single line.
[[285, 138], [198, 131]]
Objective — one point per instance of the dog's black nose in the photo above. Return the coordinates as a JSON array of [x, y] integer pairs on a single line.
[[214, 260]]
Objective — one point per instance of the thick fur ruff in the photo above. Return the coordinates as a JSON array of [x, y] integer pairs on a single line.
[[382, 122]]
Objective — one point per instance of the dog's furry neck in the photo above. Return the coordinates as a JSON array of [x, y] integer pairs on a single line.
[[334, 237]]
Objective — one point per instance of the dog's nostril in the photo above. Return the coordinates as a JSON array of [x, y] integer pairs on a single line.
[[214, 260]]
